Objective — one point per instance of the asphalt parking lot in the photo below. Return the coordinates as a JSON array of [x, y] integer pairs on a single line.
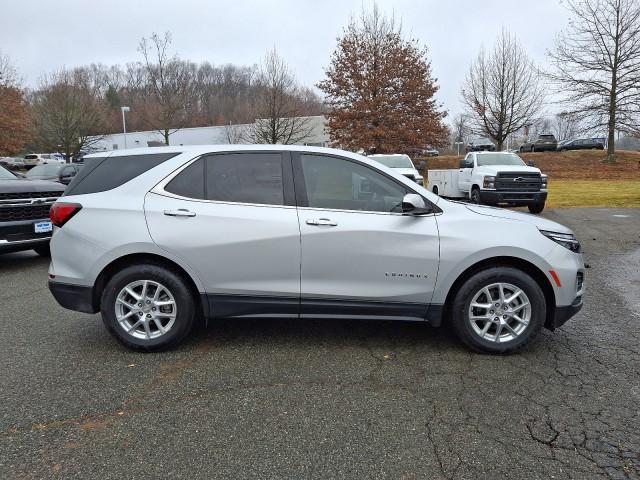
[[327, 399]]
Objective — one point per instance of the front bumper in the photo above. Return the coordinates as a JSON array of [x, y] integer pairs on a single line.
[[20, 235], [73, 297], [562, 314], [501, 197]]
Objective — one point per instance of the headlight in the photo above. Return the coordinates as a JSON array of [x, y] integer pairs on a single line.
[[567, 240], [544, 182], [489, 182]]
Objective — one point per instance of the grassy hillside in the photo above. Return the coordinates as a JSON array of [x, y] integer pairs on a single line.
[[578, 165]]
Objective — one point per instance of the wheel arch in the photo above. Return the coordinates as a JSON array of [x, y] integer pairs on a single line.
[[505, 261], [143, 258]]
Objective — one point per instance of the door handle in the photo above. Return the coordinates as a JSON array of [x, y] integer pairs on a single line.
[[325, 222], [181, 212]]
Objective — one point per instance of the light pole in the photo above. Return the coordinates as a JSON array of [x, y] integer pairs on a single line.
[[124, 125]]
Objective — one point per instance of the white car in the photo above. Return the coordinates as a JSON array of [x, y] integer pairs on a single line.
[[401, 164], [33, 159], [156, 239]]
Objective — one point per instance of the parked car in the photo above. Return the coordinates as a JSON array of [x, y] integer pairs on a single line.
[[400, 163], [480, 145], [12, 163], [580, 144], [431, 152], [24, 212], [33, 159], [62, 173], [492, 178], [157, 238], [543, 143]]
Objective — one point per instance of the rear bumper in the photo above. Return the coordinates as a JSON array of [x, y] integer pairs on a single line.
[[496, 197], [73, 297]]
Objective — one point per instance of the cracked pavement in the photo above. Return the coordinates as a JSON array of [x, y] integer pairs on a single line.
[[327, 399]]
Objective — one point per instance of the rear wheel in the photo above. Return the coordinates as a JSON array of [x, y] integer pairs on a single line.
[[498, 310], [148, 307], [435, 189]]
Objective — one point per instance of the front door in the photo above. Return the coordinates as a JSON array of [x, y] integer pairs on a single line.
[[360, 256], [464, 175], [232, 218]]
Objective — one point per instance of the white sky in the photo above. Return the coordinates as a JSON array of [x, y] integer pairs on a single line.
[[41, 36]]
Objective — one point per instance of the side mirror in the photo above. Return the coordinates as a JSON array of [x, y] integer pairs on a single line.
[[413, 204], [466, 164], [531, 163]]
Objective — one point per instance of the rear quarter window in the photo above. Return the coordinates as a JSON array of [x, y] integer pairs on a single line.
[[106, 173]]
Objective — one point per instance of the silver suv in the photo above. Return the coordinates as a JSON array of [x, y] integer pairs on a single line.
[[156, 239]]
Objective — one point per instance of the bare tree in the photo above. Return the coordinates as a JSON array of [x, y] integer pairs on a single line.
[[565, 126], [168, 86], [460, 130], [596, 66], [8, 74], [279, 105], [238, 133], [503, 90], [68, 113]]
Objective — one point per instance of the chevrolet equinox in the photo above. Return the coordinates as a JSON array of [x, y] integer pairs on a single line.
[[157, 238]]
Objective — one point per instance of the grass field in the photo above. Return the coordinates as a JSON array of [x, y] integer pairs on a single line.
[[594, 193]]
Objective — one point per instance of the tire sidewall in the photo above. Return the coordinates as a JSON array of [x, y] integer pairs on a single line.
[[462, 301], [181, 293]]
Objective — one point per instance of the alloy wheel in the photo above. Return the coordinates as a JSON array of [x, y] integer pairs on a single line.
[[499, 312], [145, 309]]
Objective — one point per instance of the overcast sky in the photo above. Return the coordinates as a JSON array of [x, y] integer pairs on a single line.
[[43, 35]]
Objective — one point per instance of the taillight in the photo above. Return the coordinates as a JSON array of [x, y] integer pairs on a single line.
[[61, 213]]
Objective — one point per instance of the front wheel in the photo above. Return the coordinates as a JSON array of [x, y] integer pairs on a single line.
[[148, 307], [43, 250], [536, 207], [498, 310], [475, 196]]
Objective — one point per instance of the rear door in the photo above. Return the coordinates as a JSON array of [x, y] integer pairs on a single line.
[[360, 256], [232, 218]]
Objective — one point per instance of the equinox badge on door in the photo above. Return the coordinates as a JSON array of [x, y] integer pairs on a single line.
[[405, 275]]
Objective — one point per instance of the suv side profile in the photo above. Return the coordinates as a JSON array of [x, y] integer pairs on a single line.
[[158, 238]]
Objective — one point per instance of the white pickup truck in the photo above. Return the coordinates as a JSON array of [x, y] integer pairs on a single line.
[[492, 178]]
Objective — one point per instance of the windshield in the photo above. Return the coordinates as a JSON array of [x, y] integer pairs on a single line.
[[44, 171], [499, 159], [394, 161], [6, 174]]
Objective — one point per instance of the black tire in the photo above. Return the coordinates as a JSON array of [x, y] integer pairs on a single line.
[[43, 250], [536, 207], [184, 300], [475, 283], [475, 195], [435, 189]]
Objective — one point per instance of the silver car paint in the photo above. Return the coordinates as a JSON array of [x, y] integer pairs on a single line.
[[112, 224]]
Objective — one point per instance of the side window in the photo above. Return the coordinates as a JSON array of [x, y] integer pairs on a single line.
[[245, 177], [340, 184], [189, 182]]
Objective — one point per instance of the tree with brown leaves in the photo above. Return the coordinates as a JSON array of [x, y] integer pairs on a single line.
[[380, 91], [14, 118]]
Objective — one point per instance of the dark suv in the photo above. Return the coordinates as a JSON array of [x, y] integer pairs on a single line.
[[481, 145], [581, 144], [543, 143], [24, 212]]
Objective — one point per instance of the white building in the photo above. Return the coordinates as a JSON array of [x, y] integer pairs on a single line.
[[221, 135]]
